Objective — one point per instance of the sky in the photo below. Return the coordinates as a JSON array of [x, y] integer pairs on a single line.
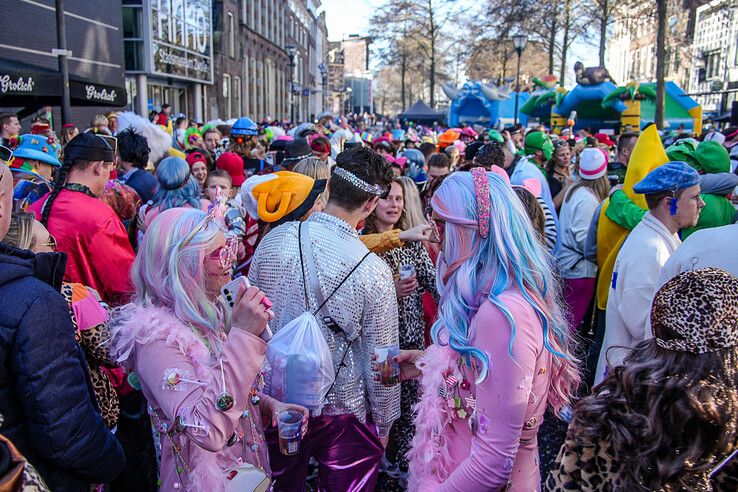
[[344, 17]]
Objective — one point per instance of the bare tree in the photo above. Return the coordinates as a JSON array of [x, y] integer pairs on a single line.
[[391, 28], [602, 13]]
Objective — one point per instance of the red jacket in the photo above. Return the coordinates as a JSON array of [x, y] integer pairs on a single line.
[[95, 241]]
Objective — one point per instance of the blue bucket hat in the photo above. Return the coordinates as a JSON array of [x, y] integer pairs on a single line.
[[672, 176], [244, 126], [38, 148]]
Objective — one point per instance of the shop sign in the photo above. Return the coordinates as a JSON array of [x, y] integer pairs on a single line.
[[182, 34], [18, 85]]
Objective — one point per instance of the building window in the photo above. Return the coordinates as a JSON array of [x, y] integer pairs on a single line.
[[231, 36], [237, 91], [133, 45], [712, 64], [227, 95]]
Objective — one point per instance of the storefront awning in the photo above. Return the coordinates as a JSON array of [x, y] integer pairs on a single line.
[[23, 85]]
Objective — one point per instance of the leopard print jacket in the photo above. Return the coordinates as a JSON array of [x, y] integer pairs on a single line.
[[591, 467], [93, 342]]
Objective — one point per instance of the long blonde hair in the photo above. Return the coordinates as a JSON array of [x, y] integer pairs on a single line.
[[413, 206], [316, 169], [599, 187]]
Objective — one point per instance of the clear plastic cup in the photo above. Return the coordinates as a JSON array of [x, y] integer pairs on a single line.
[[289, 426], [389, 370]]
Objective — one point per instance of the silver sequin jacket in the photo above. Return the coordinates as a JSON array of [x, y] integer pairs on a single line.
[[365, 307]]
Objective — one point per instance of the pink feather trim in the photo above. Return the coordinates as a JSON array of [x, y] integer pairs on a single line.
[[138, 325], [430, 460]]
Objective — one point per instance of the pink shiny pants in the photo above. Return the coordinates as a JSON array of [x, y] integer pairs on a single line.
[[348, 453]]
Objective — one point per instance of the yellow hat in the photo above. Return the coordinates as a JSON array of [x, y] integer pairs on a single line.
[[272, 196]]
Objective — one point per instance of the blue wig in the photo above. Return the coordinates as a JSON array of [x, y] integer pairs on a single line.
[[472, 270], [177, 186]]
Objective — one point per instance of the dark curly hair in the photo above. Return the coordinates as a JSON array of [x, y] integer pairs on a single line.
[[488, 155], [366, 165], [133, 147], [668, 415]]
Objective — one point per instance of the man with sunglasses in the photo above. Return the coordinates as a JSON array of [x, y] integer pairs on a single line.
[[86, 229]]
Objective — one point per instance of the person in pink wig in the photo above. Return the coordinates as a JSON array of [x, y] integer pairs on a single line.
[[197, 363], [501, 348]]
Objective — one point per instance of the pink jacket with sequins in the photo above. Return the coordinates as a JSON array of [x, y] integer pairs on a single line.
[[154, 343]]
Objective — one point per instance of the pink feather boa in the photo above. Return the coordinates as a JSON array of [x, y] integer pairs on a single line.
[[133, 324], [430, 460]]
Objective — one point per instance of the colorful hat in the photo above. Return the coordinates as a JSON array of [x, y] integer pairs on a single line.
[[592, 163], [244, 126], [448, 137], [672, 176], [683, 150], [196, 156], [38, 148], [495, 135], [232, 163], [539, 141], [191, 135], [271, 197]]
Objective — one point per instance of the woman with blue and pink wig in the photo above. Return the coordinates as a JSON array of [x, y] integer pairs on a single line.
[[197, 364], [501, 351]]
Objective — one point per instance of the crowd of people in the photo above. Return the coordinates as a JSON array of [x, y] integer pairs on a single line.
[[464, 284]]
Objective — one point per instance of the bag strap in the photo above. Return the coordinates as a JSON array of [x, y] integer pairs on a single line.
[[313, 276], [315, 285]]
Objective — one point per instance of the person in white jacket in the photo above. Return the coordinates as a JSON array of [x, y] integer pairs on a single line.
[[673, 197], [715, 247], [577, 212]]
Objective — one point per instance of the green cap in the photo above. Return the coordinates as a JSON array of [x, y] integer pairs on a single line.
[[683, 150], [495, 135], [539, 141], [712, 158]]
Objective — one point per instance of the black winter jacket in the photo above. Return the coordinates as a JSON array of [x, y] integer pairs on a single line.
[[46, 399]]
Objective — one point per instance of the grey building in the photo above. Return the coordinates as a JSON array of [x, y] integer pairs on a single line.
[[30, 80], [168, 54]]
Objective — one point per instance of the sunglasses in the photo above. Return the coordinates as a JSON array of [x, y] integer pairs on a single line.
[[435, 231], [227, 254], [6, 154]]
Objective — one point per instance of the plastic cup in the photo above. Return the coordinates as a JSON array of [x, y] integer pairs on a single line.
[[389, 370], [407, 271], [289, 426]]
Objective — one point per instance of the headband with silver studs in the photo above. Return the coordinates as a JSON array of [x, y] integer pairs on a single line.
[[358, 182]]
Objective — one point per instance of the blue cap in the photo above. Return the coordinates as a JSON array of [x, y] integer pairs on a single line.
[[672, 176], [38, 148], [244, 126]]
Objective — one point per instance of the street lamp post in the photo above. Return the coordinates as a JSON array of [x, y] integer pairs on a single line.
[[291, 51], [324, 75], [519, 42], [349, 90]]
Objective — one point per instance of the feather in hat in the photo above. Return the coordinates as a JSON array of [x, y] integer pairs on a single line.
[[159, 141]]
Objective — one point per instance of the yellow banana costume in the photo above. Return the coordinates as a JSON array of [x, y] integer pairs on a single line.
[[647, 155]]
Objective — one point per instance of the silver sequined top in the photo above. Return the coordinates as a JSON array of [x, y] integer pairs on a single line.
[[365, 307]]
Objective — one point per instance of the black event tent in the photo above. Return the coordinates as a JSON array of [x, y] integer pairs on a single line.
[[422, 112]]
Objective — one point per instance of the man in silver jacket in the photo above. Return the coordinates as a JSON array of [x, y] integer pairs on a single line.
[[349, 436]]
